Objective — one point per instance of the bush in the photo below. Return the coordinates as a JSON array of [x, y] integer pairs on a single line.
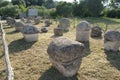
[[53, 13], [10, 10], [64, 9], [42, 11], [114, 13]]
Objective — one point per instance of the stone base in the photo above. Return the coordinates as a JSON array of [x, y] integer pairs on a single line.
[[19, 29], [66, 55], [68, 69], [58, 32], [31, 37], [82, 36], [112, 46]]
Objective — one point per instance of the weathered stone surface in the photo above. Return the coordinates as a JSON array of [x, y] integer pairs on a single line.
[[96, 32], [30, 33], [30, 29], [64, 24], [31, 37], [29, 20], [58, 32], [44, 29], [66, 55], [112, 35], [37, 20], [10, 21], [83, 31], [83, 26], [23, 19], [112, 40], [47, 23], [19, 26]]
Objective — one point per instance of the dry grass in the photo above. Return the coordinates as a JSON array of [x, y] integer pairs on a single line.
[[31, 62]]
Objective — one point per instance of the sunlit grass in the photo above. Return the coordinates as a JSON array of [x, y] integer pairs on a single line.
[[30, 61]]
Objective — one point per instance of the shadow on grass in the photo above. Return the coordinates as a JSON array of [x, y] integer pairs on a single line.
[[97, 38], [7, 27], [87, 48], [13, 32], [3, 75], [19, 45], [55, 36], [114, 58], [2, 55], [53, 74]]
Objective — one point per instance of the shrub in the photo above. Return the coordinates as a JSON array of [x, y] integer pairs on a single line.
[[42, 11], [10, 10], [113, 13]]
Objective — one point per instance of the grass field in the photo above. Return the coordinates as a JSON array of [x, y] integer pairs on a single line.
[[30, 61]]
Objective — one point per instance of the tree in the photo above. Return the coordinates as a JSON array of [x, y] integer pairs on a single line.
[[40, 2], [75, 8], [114, 4], [64, 9], [19, 2], [4, 3], [93, 7], [10, 10], [49, 4]]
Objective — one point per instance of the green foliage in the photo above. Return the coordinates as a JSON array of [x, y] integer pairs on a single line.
[[19, 2], [87, 8], [42, 11], [64, 9], [114, 4], [10, 10], [82, 10], [34, 2], [23, 8], [114, 13], [49, 4], [53, 13], [94, 7], [4, 3]]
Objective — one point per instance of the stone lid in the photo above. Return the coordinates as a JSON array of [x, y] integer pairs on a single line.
[[96, 28], [112, 35], [63, 49], [30, 29], [19, 24], [83, 26], [65, 21]]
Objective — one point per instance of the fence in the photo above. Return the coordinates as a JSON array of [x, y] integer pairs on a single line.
[[10, 73]]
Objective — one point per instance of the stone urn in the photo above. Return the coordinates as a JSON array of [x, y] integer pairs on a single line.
[[37, 20], [47, 22], [30, 33], [58, 32], [96, 32], [44, 29], [23, 19], [64, 24], [83, 31], [19, 26], [10, 21], [66, 55], [112, 40], [29, 20]]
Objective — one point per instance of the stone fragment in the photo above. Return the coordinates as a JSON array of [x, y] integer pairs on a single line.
[[112, 40], [83, 31], [64, 24], [66, 55], [96, 32]]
